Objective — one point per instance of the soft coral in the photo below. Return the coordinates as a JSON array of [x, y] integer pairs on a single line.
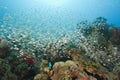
[[30, 60]]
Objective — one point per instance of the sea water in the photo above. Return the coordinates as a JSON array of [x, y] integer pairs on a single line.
[[32, 31]]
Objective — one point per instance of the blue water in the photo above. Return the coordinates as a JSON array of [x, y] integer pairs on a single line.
[[63, 14]]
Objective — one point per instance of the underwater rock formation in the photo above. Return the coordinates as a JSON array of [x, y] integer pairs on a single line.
[[41, 77], [101, 42], [44, 72], [4, 47], [115, 35], [67, 71]]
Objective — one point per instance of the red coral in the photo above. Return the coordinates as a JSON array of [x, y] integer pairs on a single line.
[[85, 78], [30, 60]]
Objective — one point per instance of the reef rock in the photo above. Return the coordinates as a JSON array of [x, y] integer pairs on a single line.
[[41, 77], [68, 70], [4, 47], [115, 35]]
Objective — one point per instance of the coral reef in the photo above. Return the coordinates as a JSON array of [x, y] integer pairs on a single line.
[[89, 53]]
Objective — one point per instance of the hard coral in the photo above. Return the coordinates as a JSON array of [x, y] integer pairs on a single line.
[[4, 47], [115, 35], [74, 54], [44, 72], [41, 77], [67, 71]]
